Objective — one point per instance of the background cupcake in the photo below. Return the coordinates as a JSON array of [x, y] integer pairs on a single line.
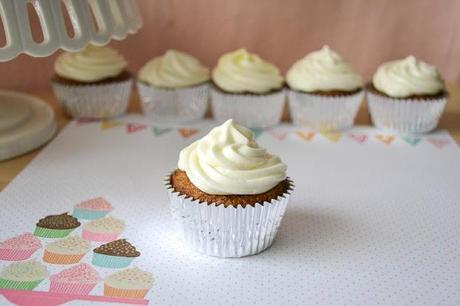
[[92, 83], [247, 89], [115, 254], [25, 275], [174, 88], [216, 195], [103, 230], [407, 96], [325, 92], [79, 279], [92, 209], [56, 226], [19, 247], [129, 283], [66, 251]]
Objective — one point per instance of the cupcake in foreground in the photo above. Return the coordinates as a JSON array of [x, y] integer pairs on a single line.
[[19, 247], [103, 230], [222, 180], [24, 275], [92, 209], [129, 283], [66, 251], [92, 83], [79, 279], [407, 96], [56, 226], [115, 254], [247, 89], [325, 92], [174, 88]]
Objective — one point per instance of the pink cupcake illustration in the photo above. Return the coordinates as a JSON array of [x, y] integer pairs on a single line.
[[79, 279], [20, 247], [92, 209], [103, 230]]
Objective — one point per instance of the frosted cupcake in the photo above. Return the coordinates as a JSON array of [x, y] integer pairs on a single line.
[[19, 247], [228, 195], [129, 283], [174, 88], [25, 275], [407, 96], [66, 251], [247, 89], [92, 209], [103, 230], [325, 92], [115, 254], [79, 279], [56, 226], [92, 83]]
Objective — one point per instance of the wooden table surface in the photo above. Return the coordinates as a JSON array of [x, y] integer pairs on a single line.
[[10, 168]]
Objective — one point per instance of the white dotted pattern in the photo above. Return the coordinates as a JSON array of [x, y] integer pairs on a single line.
[[367, 223]]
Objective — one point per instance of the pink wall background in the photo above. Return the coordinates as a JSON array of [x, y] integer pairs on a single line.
[[365, 32]]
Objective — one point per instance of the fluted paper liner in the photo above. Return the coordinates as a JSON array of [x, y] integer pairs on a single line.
[[325, 113], [405, 116], [220, 231], [254, 111], [94, 101], [179, 105]]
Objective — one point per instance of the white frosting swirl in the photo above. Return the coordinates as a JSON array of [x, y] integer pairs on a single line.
[[241, 71], [229, 161], [174, 70], [323, 70], [407, 77], [90, 65]]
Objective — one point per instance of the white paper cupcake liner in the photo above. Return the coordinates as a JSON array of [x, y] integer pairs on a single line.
[[254, 111], [94, 101], [182, 105], [324, 112], [221, 231], [405, 116]]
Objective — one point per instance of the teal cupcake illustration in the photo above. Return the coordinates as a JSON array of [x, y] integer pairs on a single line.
[[56, 226], [25, 275], [92, 209], [116, 254]]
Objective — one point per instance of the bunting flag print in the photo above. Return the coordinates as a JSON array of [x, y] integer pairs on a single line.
[[439, 142], [257, 132], [108, 124], [386, 139], [332, 136], [279, 134], [308, 136], [359, 138], [83, 121], [157, 131], [135, 127], [186, 133], [411, 140]]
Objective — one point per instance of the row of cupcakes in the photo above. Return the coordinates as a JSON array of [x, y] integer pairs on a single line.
[[79, 279], [323, 90]]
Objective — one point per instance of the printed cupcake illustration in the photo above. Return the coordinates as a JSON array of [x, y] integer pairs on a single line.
[[56, 226], [79, 279], [129, 283], [103, 230], [116, 254], [92, 209], [66, 251], [20, 247], [24, 275]]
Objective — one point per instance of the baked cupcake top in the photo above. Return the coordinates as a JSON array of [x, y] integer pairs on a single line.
[[26, 241], [96, 204], [323, 70], [92, 64], [78, 274], [131, 278], [105, 225], [408, 77], [69, 246], [240, 71], [229, 161], [62, 221], [174, 69], [119, 247], [25, 271]]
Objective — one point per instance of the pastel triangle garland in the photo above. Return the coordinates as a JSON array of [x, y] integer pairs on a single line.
[[439, 142], [157, 131], [186, 133], [308, 136], [386, 139], [360, 138], [257, 132], [279, 134], [332, 136], [83, 121], [108, 124], [411, 140], [135, 127]]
